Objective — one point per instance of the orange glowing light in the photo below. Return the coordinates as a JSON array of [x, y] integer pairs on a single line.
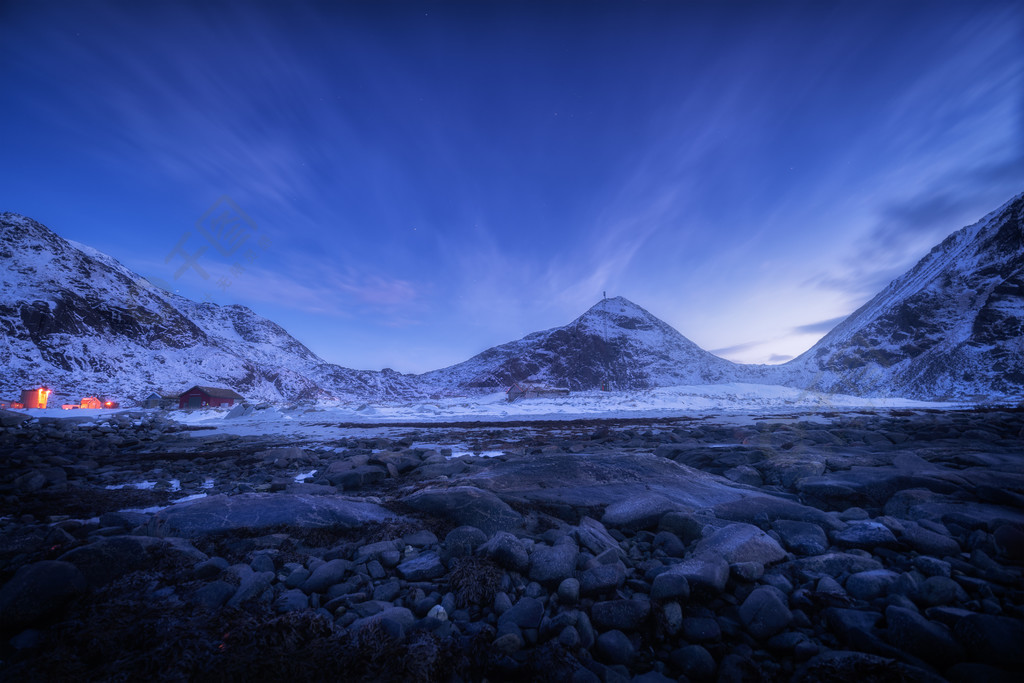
[[42, 394]]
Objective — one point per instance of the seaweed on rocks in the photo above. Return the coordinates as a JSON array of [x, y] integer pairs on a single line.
[[474, 580]]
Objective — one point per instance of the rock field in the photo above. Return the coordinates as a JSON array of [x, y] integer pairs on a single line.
[[844, 546]]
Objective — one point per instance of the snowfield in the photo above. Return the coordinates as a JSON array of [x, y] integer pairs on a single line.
[[707, 401]]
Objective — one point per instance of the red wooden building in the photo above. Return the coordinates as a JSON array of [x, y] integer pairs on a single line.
[[35, 398], [208, 397]]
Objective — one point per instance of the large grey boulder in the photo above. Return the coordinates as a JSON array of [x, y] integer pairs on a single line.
[[221, 513], [740, 542], [37, 591], [605, 479], [466, 505], [640, 512]]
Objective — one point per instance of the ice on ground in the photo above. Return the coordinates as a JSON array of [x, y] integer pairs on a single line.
[[174, 485], [723, 401], [303, 476]]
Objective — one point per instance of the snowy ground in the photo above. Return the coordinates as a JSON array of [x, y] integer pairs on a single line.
[[727, 401]]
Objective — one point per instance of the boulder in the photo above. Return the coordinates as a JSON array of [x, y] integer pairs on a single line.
[[871, 584], [108, 558], [992, 639], [602, 578], [865, 535], [424, 567], [593, 536], [551, 564], [641, 512], [765, 612], [740, 542], [706, 572], [508, 551], [37, 591], [326, 575], [927, 640], [614, 647], [801, 538], [223, 513], [466, 505]]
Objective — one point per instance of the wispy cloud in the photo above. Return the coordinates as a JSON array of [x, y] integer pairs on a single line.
[[819, 327]]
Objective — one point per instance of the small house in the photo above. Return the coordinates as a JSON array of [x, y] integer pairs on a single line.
[[35, 398], [160, 399], [90, 403], [534, 389], [208, 397]]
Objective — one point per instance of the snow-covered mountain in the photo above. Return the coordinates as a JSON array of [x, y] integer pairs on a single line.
[[616, 344], [953, 326], [77, 320]]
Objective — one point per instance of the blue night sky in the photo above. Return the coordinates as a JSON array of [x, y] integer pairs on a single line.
[[425, 180]]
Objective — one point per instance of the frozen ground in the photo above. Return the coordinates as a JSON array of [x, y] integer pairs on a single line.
[[726, 401]]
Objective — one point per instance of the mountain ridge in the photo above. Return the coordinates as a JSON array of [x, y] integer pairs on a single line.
[[950, 327]]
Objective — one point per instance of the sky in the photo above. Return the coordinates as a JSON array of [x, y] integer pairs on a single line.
[[404, 185]]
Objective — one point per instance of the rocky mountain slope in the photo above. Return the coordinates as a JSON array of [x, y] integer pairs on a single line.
[[71, 317], [77, 320], [616, 345], [951, 327]]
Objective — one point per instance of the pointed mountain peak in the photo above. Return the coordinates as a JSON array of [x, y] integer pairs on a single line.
[[616, 306]]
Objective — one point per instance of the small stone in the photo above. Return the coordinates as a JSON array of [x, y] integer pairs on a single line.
[[601, 579], [695, 662], [765, 612], [291, 601], [213, 595], [870, 584], [941, 590], [672, 617], [866, 535], [422, 568], [569, 638], [930, 566], [739, 542], [552, 564], [625, 615], [569, 591], [801, 538], [614, 647], [669, 543], [508, 644], [262, 563], [508, 551], [670, 586], [527, 613], [747, 571], [502, 603], [326, 575], [420, 539], [464, 540]]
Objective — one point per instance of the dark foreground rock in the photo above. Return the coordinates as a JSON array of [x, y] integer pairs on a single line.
[[219, 514], [850, 548]]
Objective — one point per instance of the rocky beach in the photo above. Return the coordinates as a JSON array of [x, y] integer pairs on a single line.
[[858, 545]]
